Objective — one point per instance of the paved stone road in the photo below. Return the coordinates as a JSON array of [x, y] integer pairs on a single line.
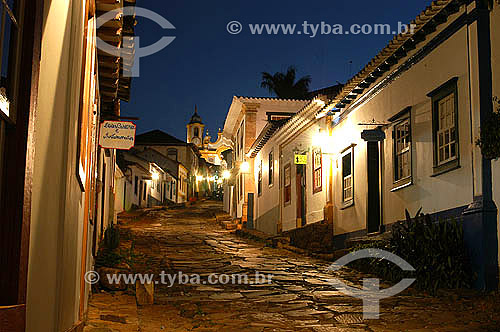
[[299, 298]]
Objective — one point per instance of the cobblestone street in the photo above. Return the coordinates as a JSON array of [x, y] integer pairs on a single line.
[[299, 298]]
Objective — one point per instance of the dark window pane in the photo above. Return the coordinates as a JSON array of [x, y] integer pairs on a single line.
[[346, 165]]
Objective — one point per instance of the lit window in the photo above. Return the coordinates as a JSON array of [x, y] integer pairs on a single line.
[[446, 138], [288, 184], [271, 168], [259, 180], [402, 150], [347, 177], [317, 171], [445, 127]]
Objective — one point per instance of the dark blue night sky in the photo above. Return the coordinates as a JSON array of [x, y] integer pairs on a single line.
[[207, 66]]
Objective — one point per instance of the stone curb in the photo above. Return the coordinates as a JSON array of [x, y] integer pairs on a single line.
[[284, 243]]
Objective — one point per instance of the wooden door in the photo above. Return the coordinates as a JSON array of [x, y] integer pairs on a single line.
[[301, 195], [373, 171]]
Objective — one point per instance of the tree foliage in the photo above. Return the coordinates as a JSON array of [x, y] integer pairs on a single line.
[[285, 85]]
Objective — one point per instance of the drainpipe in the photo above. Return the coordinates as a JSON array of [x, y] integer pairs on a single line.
[[480, 218]]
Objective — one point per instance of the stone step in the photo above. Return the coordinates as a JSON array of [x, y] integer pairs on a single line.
[[230, 226], [223, 217], [351, 243]]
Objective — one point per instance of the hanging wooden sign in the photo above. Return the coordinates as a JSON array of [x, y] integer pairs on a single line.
[[117, 135]]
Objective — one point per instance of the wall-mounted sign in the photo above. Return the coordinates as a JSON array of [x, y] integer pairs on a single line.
[[300, 159], [373, 135], [117, 135]]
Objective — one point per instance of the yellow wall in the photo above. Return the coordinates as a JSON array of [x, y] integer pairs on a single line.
[[57, 212]]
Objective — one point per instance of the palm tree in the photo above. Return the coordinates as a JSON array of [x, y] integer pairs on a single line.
[[284, 86]]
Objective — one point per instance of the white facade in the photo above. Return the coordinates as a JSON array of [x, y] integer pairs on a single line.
[[246, 119], [426, 103], [272, 213], [426, 191]]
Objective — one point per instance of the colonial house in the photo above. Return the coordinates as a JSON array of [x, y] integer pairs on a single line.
[[144, 183], [56, 184], [186, 154], [245, 120], [302, 185], [399, 135], [170, 168]]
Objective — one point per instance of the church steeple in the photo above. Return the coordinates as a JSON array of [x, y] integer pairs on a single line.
[[195, 129], [196, 118]]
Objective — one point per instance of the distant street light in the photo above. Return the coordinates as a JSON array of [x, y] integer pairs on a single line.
[[199, 178], [245, 167], [323, 141], [226, 175]]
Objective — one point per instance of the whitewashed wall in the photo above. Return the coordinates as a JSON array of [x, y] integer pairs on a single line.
[[315, 203], [123, 203], [442, 192], [267, 205]]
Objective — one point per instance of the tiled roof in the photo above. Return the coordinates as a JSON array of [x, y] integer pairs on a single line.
[[113, 83], [330, 92], [267, 99], [157, 137], [271, 127], [434, 15]]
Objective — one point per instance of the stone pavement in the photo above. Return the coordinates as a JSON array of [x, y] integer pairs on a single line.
[[299, 298]]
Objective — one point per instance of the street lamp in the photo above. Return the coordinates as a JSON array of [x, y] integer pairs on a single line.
[[226, 174], [245, 167], [323, 141]]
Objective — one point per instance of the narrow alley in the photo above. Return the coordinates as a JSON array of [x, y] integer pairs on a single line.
[[299, 297]]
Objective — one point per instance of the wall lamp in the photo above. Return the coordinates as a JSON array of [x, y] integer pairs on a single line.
[[245, 167]]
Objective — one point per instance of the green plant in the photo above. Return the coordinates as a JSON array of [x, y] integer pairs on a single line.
[[112, 237], [489, 140], [108, 258], [435, 249]]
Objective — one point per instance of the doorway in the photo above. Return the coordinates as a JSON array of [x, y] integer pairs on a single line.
[[373, 171], [301, 195]]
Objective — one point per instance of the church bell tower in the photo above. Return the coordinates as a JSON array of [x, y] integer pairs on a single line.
[[195, 129]]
